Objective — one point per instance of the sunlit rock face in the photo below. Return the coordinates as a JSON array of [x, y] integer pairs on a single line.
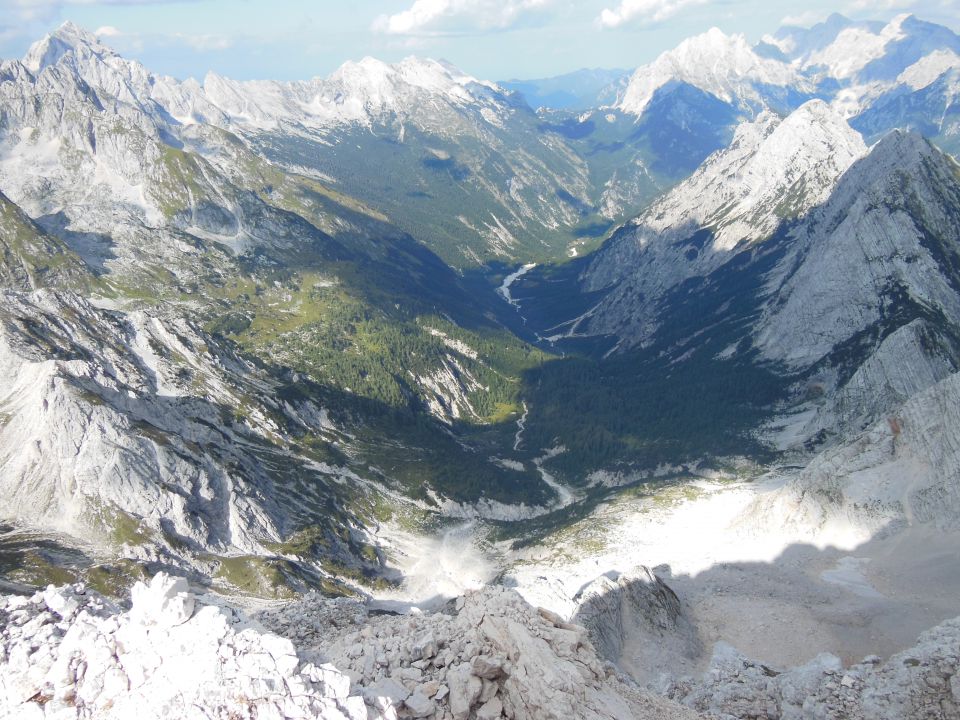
[[68, 653]]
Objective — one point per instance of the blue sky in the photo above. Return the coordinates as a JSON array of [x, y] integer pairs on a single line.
[[492, 39]]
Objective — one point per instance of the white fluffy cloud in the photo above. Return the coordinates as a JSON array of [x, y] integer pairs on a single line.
[[438, 17], [644, 12]]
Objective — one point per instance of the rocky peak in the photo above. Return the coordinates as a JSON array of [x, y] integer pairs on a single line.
[[895, 166], [357, 92], [774, 169], [888, 231], [865, 53], [903, 146], [368, 71], [383, 87], [929, 69], [71, 57], [723, 65], [65, 39], [796, 41]]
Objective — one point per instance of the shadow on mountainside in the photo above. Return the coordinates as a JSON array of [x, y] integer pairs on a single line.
[[874, 599]]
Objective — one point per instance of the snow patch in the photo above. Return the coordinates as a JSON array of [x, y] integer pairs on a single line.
[[848, 574], [504, 289]]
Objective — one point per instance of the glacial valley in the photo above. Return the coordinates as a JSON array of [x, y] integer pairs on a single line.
[[389, 395]]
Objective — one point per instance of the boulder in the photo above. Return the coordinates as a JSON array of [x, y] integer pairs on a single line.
[[166, 601], [418, 705]]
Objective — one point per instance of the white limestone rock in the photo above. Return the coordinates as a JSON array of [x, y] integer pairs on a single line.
[[920, 682], [638, 623], [903, 470], [163, 659], [881, 234], [495, 655], [723, 65], [419, 705], [165, 602]]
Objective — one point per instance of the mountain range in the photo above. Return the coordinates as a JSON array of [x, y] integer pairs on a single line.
[[252, 330]]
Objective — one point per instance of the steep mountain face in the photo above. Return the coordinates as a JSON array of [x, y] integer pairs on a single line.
[[799, 43], [898, 75], [863, 52], [675, 112], [30, 258], [774, 170], [886, 230], [426, 126], [362, 92], [131, 431], [690, 99], [162, 210], [721, 65], [899, 472], [926, 101], [793, 270], [215, 363], [878, 263], [894, 216], [505, 188]]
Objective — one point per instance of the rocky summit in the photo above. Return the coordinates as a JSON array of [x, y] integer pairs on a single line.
[[69, 653]]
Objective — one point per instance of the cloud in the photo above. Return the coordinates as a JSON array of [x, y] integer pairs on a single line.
[[920, 6], [200, 42], [455, 17], [204, 42], [883, 4], [808, 18], [937, 11], [643, 12], [46, 10]]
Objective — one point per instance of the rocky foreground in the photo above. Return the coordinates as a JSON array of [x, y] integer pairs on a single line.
[[69, 653]]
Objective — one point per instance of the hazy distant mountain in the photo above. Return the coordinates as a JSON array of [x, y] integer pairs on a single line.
[[882, 76], [724, 66], [579, 90]]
